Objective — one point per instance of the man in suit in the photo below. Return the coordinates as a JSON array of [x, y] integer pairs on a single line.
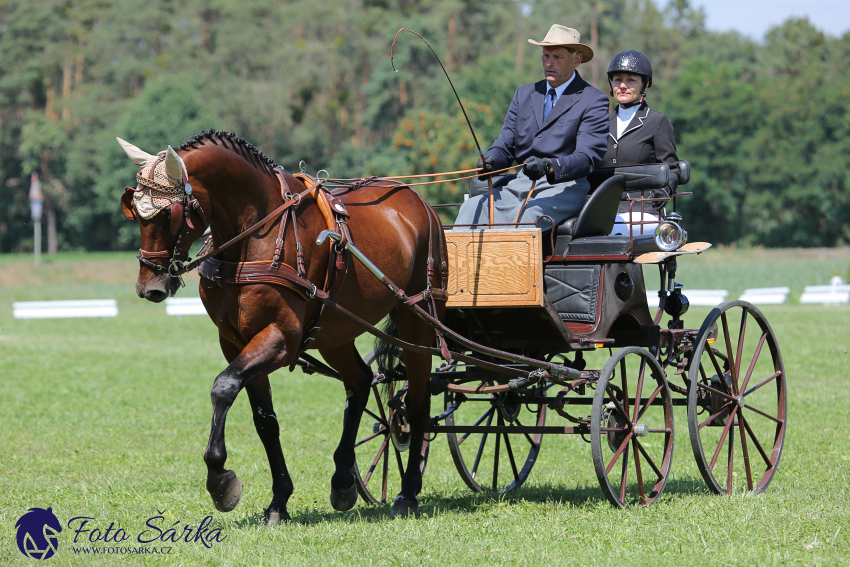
[[558, 127]]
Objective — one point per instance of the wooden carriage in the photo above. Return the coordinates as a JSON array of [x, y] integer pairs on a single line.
[[559, 294]]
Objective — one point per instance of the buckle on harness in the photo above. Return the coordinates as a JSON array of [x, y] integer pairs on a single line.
[[312, 292]]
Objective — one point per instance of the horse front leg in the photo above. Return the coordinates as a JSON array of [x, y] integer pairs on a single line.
[[266, 352], [357, 378], [265, 421]]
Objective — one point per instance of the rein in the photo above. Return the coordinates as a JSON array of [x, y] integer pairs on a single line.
[[295, 200]]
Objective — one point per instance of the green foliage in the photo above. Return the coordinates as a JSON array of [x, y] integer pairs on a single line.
[[764, 124]]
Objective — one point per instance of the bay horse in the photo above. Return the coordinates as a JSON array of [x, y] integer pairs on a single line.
[[220, 180]]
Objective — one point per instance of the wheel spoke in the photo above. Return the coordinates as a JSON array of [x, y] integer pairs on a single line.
[[746, 453], [619, 452], [741, 335], [481, 447], [367, 439], [638, 472], [379, 404], [640, 389], [499, 423], [649, 402], [730, 419], [386, 476], [380, 419], [729, 348], [649, 460], [399, 463], [477, 423], [760, 449], [617, 404], [717, 369], [511, 458], [625, 474], [528, 438], [768, 416], [718, 392], [381, 450], [730, 460], [723, 408], [753, 363], [625, 383], [760, 384]]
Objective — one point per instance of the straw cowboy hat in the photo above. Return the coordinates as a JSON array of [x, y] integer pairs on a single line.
[[562, 36]]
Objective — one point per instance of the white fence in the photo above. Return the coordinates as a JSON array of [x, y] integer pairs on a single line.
[[701, 297], [766, 295], [179, 306], [65, 309], [826, 294]]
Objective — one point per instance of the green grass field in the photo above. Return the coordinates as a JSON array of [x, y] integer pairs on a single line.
[[109, 419]]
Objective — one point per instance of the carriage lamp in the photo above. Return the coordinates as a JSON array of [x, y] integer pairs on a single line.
[[669, 236]]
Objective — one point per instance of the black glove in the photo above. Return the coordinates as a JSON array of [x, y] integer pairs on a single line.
[[488, 167], [536, 167]]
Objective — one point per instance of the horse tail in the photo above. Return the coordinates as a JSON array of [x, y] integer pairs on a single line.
[[388, 357]]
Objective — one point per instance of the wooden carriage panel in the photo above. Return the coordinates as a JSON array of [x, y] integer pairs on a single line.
[[495, 268]]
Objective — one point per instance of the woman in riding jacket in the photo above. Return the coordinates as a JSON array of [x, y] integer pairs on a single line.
[[638, 136]]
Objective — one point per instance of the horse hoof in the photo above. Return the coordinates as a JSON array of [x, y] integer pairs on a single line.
[[274, 517], [343, 500], [228, 493], [405, 506]]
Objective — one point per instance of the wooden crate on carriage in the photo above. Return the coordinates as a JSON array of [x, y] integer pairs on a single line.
[[495, 268]]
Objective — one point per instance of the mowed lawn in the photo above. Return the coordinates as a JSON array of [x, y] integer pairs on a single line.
[[108, 419]]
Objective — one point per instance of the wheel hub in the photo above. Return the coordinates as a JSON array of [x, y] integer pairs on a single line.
[[400, 430], [616, 438], [718, 401], [509, 407]]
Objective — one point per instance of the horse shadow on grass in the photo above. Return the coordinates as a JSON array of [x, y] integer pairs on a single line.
[[456, 502]]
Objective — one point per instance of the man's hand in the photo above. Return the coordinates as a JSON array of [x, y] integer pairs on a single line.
[[486, 168], [536, 167]]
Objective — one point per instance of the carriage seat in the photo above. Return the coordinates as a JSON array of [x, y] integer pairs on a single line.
[[596, 218]]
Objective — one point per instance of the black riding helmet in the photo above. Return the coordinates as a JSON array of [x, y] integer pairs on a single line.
[[631, 61]]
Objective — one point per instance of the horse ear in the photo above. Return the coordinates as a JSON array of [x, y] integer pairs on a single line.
[[127, 205], [138, 156], [174, 165], [176, 217]]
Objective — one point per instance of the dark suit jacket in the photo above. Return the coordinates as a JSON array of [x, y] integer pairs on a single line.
[[572, 136], [647, 139]]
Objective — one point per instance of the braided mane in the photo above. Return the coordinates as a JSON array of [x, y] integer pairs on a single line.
[[237, 144]]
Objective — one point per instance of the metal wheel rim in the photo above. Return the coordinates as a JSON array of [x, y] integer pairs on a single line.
[[632, 446], [753, 448], [383, 458], [520, 474]]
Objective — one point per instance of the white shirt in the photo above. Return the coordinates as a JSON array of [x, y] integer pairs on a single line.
[[558, 90], [624, 116]]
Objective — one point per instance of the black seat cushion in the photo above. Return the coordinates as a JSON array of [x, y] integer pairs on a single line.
[[611, 245]]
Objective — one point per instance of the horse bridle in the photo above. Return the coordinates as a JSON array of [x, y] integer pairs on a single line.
[[181, 201]]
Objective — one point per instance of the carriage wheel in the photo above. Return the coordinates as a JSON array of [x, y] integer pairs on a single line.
[[498, 461], [382, 440], [736, 399], [631, 428]]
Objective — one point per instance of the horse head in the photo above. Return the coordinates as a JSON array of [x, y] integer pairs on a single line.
[[170, 215]]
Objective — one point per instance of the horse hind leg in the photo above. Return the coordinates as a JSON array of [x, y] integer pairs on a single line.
[[265, 421], [357, 378], [418, 404]]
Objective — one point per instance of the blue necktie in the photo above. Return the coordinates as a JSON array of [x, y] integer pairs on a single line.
[[550, 102]]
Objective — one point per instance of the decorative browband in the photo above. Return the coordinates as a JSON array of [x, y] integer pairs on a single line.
[[177, 190]]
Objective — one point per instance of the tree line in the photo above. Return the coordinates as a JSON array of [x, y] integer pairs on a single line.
[[764, 124]]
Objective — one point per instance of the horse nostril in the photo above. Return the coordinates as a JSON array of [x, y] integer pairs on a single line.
[[155, 295]]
